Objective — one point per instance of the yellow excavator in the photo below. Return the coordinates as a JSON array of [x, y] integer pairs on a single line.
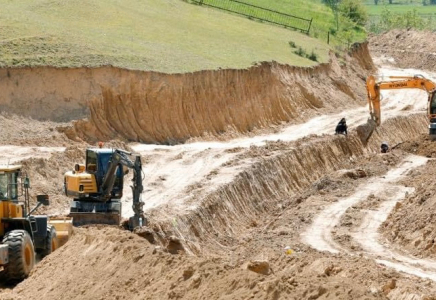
[[97, 187], [374, 87], [25, 236]]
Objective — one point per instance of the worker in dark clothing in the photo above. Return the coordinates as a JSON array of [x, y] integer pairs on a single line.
[[342, 127], [384, 147]]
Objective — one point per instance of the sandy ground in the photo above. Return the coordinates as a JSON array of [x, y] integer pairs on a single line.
[[356, 224]]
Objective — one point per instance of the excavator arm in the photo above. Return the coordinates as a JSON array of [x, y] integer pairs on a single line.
[[374, 87], [120, 157]]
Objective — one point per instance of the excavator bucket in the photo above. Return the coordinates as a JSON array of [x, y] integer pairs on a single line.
[[64, 228], [366, 130], [89, 218]]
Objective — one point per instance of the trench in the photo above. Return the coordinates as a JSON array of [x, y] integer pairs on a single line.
[[257, 190]]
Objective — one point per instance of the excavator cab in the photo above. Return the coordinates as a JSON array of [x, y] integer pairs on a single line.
[[432, 107], [97, 163]]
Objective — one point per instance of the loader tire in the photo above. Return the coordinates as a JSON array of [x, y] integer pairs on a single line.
[[21, 255], [51, 242]]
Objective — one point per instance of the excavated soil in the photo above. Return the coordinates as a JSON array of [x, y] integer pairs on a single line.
[[255, 199], [406, 49]]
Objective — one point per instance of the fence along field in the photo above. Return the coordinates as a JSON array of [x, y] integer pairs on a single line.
[[260, 13]]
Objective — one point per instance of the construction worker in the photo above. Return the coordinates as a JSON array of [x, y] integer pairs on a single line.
[[384, 148], [342, 127]]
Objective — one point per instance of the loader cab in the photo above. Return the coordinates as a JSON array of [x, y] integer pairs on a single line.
[[9, 182], [97, 163]]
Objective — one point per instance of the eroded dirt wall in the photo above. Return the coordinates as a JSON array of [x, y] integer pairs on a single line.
[[258, 190], [158, 108], [170, 108]]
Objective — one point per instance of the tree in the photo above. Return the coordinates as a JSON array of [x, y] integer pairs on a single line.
[[354, 10], [375, 2]]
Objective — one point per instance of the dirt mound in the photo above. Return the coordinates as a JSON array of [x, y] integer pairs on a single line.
[[405, 49], [108, 263], [171, 108], [46, 177], [412, 225], [22, 131]]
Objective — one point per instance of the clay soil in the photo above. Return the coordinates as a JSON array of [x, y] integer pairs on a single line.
[[242, 202]]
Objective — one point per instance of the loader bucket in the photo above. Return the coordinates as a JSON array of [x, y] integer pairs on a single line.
[[64, 228], [365, 131], [88, 218]]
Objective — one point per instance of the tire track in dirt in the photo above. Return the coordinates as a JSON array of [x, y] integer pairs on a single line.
[[319, 234]]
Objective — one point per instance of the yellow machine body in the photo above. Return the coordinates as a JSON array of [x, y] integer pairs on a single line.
[[9, 209], [79, 183], [17, 223]]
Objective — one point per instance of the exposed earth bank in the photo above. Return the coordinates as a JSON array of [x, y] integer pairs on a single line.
[[229, 209]]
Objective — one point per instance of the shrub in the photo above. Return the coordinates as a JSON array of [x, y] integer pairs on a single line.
[[313, 56], [354, 10], [300, 52]]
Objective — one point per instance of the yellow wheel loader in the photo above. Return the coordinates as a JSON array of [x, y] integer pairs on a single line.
[[24, 235], [97, 187], [374, 86]]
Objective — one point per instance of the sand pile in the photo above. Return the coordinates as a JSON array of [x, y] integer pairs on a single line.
[[23, 131], [108, 263]]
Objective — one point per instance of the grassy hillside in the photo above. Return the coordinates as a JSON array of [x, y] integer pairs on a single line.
[[162, 35]]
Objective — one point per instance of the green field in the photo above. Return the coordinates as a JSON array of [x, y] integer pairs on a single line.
[[402, 14], [401, 8], [170, 36]]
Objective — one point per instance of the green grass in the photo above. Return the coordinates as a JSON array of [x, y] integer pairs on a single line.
[[170, 36]]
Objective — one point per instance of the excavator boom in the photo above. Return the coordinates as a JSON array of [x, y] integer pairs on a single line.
[[374, 87]]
